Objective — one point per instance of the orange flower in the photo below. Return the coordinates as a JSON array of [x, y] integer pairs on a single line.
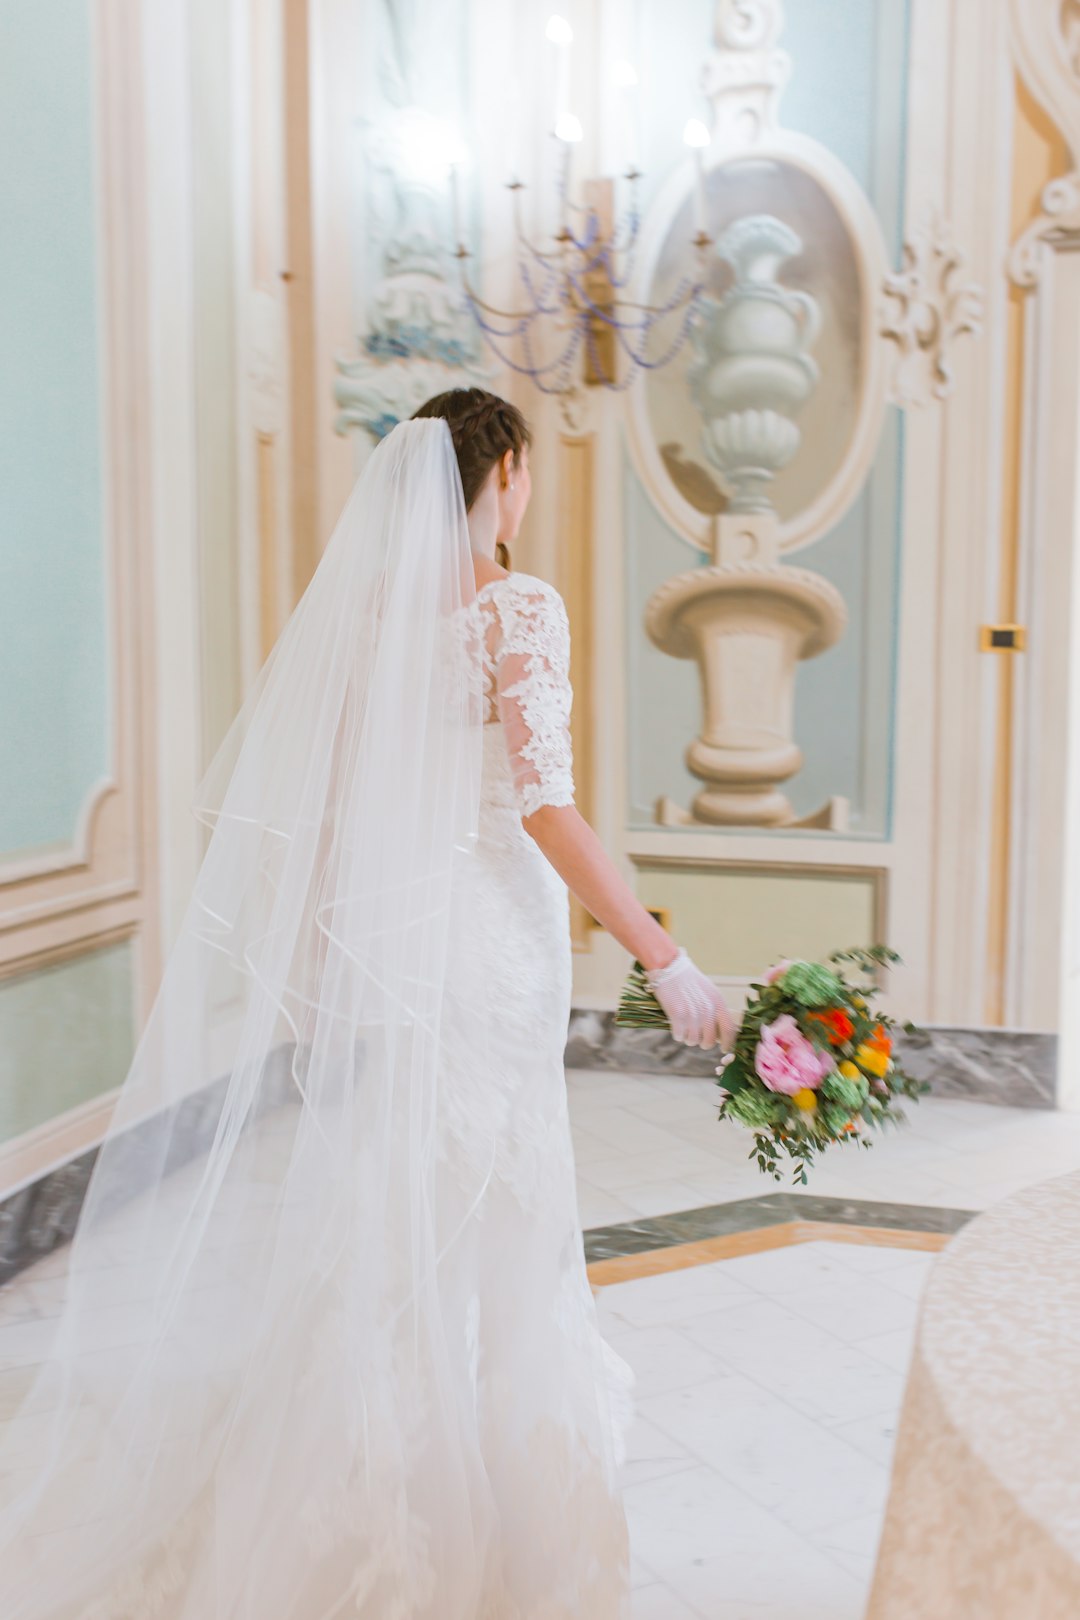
[[837, 1024], [880, 1041]]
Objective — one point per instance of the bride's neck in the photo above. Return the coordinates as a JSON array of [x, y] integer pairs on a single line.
[[483, 522]]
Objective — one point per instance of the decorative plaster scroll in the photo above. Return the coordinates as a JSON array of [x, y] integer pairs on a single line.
[[745, 75], [928, 308], [747, 25], [417, 345], [1058, 220]]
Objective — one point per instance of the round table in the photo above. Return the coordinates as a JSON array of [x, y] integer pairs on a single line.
[[983, 1519]]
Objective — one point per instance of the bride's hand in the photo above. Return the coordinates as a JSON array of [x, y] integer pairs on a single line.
[[696, 1011]]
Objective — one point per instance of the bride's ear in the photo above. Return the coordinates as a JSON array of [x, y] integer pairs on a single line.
[[506, 469]]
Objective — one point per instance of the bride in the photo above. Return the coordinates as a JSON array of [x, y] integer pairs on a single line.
[[324, 1343]]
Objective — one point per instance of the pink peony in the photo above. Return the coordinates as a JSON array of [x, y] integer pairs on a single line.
[[786, 1061], [777, 971]]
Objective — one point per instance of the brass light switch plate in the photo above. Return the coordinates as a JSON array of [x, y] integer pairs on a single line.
[[1002, 638]]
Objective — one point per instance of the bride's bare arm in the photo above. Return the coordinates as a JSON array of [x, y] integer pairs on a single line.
[[585, 866], [695, 1008]]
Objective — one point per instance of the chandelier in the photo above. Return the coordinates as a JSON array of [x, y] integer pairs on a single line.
[[573, 313], [571, 316]]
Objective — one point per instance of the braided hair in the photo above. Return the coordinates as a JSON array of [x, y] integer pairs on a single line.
[[483, 428]]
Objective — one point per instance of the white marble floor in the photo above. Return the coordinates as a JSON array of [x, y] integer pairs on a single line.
[[769, 1385], [647, 1145]]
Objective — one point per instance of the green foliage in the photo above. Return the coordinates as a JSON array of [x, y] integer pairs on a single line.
[[812, 985], [755, 1106], [852, 1093], [638, 1008], [833, 1117]]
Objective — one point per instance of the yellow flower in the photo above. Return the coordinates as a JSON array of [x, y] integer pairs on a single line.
[[870, 1059], [857, 1001], [805, 1099], [849, 1070]]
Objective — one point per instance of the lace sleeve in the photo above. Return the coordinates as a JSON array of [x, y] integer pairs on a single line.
[[532, 682]]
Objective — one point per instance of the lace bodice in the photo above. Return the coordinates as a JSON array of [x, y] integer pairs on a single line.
[[527, 686]]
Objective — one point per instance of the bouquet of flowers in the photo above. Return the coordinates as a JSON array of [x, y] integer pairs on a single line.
[[813, 1061]]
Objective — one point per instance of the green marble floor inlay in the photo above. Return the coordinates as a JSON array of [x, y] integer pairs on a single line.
[[755, 1214]]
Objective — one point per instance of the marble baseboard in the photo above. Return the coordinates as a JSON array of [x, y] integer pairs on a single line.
[[38, 1218], [1014, 1067], [1011, 1066]]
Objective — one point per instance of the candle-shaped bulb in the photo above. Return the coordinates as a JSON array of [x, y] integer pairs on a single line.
[[697, 138], [561, 35], [624, 77], [455, 157], [455, 206]]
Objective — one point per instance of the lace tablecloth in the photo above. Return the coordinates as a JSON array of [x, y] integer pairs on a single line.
[[983, 1521]]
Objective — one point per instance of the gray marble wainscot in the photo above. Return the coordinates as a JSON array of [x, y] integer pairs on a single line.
[[1016, 1067], [39, 1217]]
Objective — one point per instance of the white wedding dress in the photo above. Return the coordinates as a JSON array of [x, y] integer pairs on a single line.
[[552, 1396], [341, 1358]]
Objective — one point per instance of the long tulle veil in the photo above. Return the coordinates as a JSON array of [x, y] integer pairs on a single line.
[[252, 1353]]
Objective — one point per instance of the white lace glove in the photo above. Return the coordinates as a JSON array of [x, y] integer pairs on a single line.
[[696, 1011]]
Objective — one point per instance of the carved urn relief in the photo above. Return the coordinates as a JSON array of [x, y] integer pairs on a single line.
[[747, 621], [753, 369], [804, 335]]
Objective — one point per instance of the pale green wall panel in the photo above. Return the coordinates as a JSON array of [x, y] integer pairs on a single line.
[[66, 1035], [54, 741], [736, 923]]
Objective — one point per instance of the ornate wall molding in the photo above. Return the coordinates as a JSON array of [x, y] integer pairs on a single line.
[[418, 342], [927, 307], [901, 326], [1046, 44], [99, 883], [417, 336], [743, 77], [78, 853], [1057, 224]]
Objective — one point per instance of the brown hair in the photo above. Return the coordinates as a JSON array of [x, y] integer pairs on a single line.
[[483, 428]]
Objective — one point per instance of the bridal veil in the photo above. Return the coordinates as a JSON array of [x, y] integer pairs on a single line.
[[253, 1331]]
